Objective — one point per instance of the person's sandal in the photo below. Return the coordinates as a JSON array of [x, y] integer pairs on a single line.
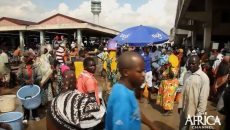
[[37, 119], [25, 121]]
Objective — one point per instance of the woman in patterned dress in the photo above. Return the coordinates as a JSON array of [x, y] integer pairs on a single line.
[[167, 91]]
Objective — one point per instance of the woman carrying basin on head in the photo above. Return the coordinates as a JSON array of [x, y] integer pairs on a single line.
[[29, 74], [72, 109]]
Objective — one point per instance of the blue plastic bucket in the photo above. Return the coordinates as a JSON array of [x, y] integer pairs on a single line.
[[14, 119], [30, 96]]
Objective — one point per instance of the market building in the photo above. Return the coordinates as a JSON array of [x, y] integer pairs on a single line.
[[199, 23], [15, 32]]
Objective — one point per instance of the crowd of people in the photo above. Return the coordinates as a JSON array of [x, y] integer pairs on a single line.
[[188, 77], [176, 75]]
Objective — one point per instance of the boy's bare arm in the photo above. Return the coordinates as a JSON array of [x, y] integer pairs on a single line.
[[147, 122]]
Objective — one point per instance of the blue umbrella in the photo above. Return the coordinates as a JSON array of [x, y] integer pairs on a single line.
[[141, 36]]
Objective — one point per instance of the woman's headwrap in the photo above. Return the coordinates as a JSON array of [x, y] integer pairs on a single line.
[[64, 68], [29, 55], [181, 50]]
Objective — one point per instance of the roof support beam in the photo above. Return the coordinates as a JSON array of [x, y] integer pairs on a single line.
[[198, 16], [187, 27], [181, 11]]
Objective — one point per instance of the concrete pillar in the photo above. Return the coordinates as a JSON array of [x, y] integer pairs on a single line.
[[87, 41], [26, 38], [96, 18], [50, 39], [12, 42], [75, 35], [208, 25], [193, 39], [207, 37], [101, 39], [21, 39], [69, 38], [42, 37], [79, 38], [83, 41]]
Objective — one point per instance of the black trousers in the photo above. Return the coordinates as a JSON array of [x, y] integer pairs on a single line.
[[27, 113]]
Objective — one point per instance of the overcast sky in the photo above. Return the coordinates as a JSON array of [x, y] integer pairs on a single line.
[[116, 14]]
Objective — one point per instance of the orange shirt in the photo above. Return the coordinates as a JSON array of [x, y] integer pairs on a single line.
[[17, 52], [86, 83]]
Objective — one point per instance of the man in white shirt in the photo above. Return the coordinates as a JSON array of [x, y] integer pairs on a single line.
[[195, 93], [219, 58], [155, 55], [4, 67]]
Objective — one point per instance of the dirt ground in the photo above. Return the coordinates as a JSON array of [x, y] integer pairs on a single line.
[[152, 111]]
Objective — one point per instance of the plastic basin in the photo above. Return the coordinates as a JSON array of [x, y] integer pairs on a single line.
[[14, 119], [30, 96]]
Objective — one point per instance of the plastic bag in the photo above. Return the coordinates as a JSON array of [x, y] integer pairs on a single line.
[[146, 91], [45, 69], [44, 65]]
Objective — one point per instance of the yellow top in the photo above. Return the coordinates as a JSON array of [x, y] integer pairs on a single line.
[[112, 55], [78, 68], [173, 59]]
